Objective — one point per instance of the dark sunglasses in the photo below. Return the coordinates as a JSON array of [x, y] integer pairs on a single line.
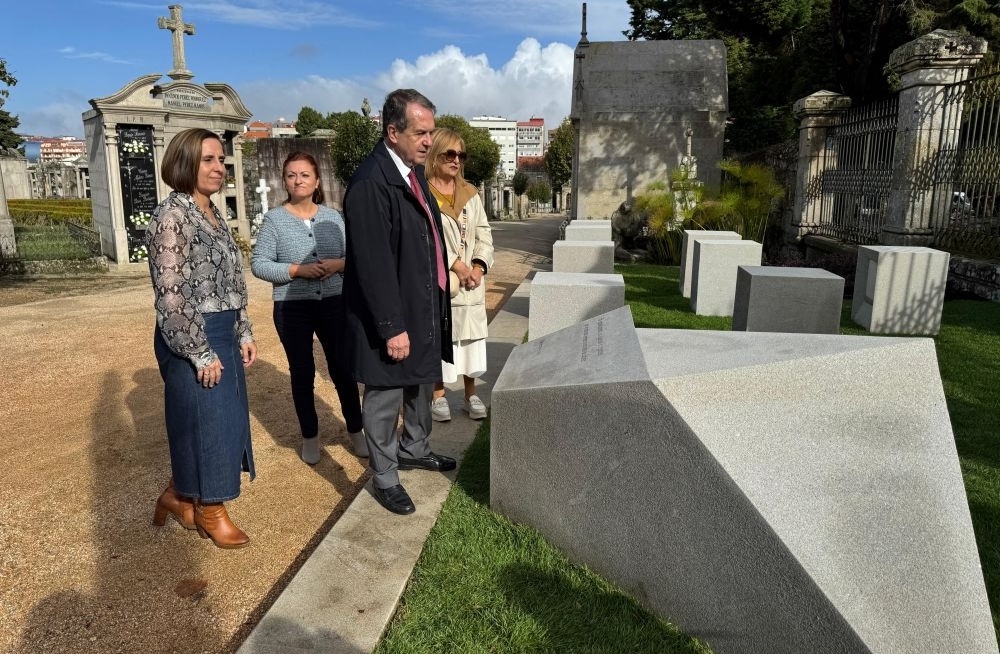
[[451, 155]]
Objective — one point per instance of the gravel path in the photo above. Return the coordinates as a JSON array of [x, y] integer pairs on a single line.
[[83, 453]]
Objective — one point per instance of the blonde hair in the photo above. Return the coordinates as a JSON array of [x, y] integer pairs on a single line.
[[444, 139]]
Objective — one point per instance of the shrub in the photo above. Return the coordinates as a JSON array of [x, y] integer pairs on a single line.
[[745, 204], [50, 212]]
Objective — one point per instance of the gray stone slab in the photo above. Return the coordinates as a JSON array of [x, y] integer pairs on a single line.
[[899, 289], [778, 299], [559, 300], [589, 230], [768, 493], [713, 276], [687, 253], [583, 256]]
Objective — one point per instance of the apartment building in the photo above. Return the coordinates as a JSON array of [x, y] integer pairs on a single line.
[[61, 148], [531, 137], [504, 133]]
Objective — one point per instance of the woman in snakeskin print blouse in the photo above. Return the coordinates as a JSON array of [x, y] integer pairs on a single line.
[[203, 341]]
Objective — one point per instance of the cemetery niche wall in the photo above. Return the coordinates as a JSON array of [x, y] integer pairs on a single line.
[[768, 493]]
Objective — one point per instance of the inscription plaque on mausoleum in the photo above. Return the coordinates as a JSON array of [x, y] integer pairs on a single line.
[[138, 184]]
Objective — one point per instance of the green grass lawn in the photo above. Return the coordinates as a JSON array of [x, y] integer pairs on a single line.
[[485, 584], [40, 243]]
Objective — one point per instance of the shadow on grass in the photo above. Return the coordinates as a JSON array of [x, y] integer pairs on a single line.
[[581, 613]]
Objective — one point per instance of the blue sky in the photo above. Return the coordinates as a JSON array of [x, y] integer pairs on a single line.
[[512, 58]]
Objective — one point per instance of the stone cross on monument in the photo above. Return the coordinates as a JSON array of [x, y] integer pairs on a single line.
[[179, 28], [262, 190]]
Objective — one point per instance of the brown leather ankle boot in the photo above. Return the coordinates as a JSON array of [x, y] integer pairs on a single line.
[[213, 522], [180, 508]]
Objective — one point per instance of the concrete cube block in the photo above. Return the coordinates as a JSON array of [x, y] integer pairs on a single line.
[[899, 289], [583, 256], [559, 300], [791, 300], [713, 276], [687, 253], [589, 230]]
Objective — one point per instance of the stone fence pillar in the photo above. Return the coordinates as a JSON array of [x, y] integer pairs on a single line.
[[8, 246], [816, 114], [927, 67]]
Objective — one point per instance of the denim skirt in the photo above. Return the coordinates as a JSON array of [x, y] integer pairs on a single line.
[[208, 428]]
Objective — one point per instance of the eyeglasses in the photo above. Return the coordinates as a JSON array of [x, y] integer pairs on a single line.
[[451, 155]]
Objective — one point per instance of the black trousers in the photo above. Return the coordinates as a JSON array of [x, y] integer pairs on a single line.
[[296, 321]]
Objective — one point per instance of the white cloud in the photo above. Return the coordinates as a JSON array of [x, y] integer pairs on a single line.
[[537, 81], [55, 119], [72, 53]]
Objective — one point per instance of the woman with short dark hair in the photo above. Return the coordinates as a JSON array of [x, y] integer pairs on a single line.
[[203, 340]]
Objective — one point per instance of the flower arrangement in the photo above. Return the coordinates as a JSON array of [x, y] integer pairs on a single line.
[[139, 254], [135, 147], [140, 219]]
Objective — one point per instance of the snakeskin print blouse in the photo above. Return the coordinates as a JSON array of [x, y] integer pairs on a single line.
[[196, 269]]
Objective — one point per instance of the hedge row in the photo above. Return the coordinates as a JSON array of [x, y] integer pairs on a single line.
[[48, 212]]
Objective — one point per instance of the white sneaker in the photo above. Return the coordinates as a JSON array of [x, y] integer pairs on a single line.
[[440, 410], [475, 407]]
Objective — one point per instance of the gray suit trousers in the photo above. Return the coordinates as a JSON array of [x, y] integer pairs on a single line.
[[380, 414]]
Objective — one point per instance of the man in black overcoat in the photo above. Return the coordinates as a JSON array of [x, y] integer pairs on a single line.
[[396, 296]]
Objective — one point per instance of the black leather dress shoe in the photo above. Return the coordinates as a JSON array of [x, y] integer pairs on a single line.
[[432, 461], [394, 498]]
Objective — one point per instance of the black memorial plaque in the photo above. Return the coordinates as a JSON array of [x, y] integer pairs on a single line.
[[138, 183]]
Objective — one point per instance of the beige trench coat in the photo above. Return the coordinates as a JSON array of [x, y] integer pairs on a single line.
[[468, 308]]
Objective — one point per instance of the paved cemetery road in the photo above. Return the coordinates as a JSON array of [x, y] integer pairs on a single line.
[[534, 234]]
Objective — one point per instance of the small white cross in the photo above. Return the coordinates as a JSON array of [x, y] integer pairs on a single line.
[[262, 190]]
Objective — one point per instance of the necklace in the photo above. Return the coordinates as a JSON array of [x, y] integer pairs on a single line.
[[445, 197]]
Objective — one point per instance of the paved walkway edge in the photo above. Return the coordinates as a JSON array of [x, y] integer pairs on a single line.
[[343, 597]]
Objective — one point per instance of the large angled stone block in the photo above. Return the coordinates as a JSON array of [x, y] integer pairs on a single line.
[[769, 493], [899, 289], [559, 300], [687, 253], [583, 256]]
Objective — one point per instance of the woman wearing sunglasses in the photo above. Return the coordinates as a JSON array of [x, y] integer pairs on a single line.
[[469, 240]]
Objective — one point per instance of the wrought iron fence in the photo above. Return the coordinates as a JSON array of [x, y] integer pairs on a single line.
[[857, 173], [967, 169]]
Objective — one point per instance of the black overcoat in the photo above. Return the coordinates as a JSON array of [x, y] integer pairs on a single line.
[[390, 278]]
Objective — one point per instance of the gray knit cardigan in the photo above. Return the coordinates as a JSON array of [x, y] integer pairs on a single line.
[[284, 239]]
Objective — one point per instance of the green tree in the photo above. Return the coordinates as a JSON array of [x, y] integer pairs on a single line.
[[483, 151], [520, 187], [781, 50], [308, 121], [8, 123], [559, 156], [540, 192], [355, 137]]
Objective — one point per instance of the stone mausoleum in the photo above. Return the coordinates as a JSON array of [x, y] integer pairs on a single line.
[[640, 110], [127, 134]]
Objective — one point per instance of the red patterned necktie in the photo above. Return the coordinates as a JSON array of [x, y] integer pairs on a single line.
[[415, 187]]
